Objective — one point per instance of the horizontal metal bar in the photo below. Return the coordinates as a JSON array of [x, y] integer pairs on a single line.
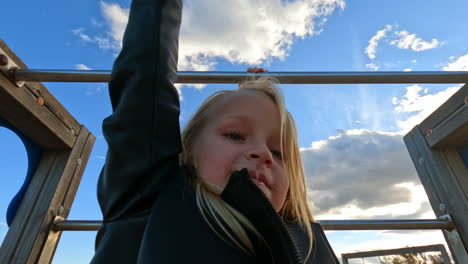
[[403, 224], [29, 75], [426, 224]]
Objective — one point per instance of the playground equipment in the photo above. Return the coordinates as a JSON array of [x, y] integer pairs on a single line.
[[438, 148], [397, 251]]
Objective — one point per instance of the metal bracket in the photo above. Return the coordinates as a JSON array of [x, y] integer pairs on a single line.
[[451, 225], [8, 68]]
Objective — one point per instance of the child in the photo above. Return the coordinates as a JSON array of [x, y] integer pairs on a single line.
[[230, 190]]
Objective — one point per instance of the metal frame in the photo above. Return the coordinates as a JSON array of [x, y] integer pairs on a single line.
[[236, 77], [397, 251], [36, 112], [426, 224]]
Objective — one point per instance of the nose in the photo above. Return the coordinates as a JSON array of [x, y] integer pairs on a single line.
[[262, 154]]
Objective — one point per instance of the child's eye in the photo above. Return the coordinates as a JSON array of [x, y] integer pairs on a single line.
[[277, 154], [236, 136]]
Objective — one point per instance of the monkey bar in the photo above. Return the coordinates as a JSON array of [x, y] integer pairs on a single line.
[[29, 75], [437, 146]]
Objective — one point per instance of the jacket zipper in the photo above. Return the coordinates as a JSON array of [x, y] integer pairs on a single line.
[[291, 242]]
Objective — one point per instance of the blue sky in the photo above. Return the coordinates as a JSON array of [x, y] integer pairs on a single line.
[[359, 127]]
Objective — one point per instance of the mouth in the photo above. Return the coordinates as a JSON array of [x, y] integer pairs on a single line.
[[259, 182], [259, 179]]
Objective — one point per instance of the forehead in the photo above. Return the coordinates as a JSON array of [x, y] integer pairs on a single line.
[[254, 108]]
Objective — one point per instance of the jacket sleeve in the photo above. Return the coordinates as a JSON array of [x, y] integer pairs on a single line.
[[143, 132]]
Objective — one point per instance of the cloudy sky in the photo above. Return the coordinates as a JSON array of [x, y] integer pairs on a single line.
[[356, 163]]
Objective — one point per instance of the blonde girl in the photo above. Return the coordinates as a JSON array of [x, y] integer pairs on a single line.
[[229, 190]]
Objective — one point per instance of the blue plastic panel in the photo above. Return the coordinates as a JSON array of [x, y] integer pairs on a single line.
[[34, 152]]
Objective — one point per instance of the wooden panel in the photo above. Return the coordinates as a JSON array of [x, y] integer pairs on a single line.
[[39, 89], [17, 230], [19, 107], [50, 194], [50, 125], [65, 193], [398, 251], [442, 186], [451, 132], [446, 109]]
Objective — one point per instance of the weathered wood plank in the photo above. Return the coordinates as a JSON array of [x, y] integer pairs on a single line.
[[454, 103], [50, 124], [52, 187], [66, 191], [440, 180], [40, 90], [17, 230], [452, 131], [398, 251], [18, 106]]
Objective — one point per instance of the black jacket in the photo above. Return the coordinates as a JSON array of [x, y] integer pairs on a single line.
[[147, 199]]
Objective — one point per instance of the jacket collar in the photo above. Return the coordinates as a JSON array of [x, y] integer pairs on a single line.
[[244, 196]]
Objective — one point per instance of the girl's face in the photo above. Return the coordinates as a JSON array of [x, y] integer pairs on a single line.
[[244, 132]]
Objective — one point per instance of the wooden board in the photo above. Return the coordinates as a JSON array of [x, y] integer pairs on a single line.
[[50, 124], [54, 185], [398, 251], [454, 103], [441, 182], [452, 131]]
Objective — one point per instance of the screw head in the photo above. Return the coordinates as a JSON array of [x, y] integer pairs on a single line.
[[3, 60], [442, 207], [61, 209], [428, 132], [40, 100]]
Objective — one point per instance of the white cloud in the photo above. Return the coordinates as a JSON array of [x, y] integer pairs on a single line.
[[371, 49], [407, 70], [117, 18], [405, 40], [401, 39], [80, 33], [82, 67], [372, 66], [458, 64], [93, 89], [420, 103], [362, 174], [256, 32]]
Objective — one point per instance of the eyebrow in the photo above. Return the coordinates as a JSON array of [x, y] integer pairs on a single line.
[[241, 117]]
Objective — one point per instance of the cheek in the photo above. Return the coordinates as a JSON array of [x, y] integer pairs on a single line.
[[213, 166], [280, 191]]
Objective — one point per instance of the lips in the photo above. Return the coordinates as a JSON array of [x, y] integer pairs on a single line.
[[259, 178]]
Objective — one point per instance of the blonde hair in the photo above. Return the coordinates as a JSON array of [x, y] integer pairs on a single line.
[[227, 219]]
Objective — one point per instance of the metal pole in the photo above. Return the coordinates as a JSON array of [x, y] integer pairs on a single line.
[[408, 224], [29, 75], [427, 224]]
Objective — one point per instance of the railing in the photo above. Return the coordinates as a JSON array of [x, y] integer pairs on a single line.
[[426, 224], [31, 75], [444, 223], [234, 77]]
